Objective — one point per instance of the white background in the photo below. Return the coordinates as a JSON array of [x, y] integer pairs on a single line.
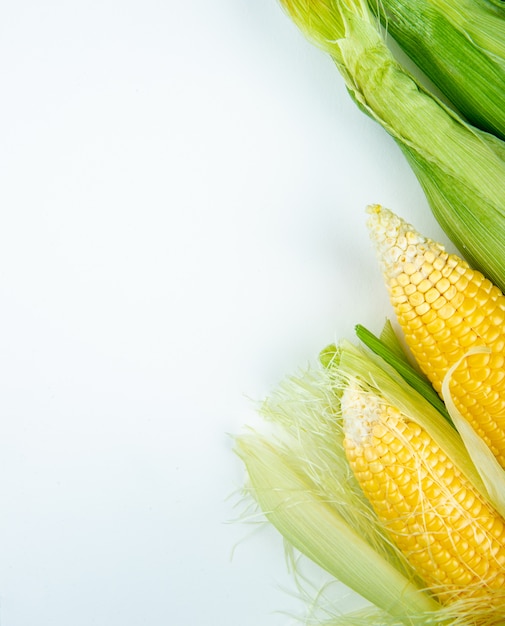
[[182, 200]]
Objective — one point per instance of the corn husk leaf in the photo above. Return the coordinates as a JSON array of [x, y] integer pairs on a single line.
[[390, 339], [316, 530], [460, 46]]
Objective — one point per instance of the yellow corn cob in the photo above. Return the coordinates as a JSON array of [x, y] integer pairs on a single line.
[[453, 539], [445, 308]]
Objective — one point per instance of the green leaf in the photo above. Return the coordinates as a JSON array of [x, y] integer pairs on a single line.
[[417, 381]]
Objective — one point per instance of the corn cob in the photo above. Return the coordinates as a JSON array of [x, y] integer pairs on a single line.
[[445, 308], [300, 476], [451, 536], [460, 168]]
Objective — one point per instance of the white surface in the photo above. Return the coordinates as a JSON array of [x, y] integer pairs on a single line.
[[182, 224]]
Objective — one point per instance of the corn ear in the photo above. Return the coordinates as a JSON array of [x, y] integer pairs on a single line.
[[461, 169], [298, 473], [368, 372]]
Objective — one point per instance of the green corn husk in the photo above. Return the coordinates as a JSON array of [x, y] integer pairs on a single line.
[[299, 476], [461, 168], [313, 526], [460, 46]]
